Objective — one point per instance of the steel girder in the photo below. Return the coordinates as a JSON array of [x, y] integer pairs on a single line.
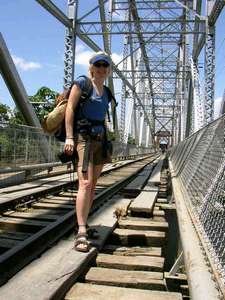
[[70, 44], [133, 81], [209, 71], [123, 133], [56, 12], [107, 48], [15, 85]]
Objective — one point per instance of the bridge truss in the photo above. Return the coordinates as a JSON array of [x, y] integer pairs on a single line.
[[161, 95]]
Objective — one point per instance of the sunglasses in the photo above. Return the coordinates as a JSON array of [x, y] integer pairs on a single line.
[[101, 64]]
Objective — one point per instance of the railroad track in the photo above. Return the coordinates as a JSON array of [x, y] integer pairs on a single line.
[[130, 259], [29, 225]]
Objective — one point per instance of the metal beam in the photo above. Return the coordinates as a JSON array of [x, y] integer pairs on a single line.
[[56, 12], [196, 27], [213, 16], [136, 18], [107, 47], [133, 83], [91, 11], [15, 85], [70, 45]]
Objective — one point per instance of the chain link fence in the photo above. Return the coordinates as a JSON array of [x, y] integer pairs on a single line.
[[24, 145], [27, 152], [199, 163]]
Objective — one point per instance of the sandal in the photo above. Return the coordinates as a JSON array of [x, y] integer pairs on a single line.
[[92, 233], [81, 239]]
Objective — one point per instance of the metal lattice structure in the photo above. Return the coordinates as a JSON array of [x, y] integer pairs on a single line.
[[160, 31], [70, 45]]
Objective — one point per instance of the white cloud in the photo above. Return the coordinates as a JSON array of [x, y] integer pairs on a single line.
[[82, 55], [25, 65]]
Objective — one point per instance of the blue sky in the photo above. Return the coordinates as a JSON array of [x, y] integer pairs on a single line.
[[35, 39]]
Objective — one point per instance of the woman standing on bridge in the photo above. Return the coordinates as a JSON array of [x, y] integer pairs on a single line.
[[86, 134]]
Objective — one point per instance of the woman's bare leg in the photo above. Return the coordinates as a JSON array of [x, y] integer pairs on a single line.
[[84, 196], [97, 169]]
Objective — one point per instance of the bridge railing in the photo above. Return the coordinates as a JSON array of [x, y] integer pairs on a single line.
[[198, 170], [27, 153]]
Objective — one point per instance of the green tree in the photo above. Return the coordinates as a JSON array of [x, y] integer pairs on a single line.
[[111, 135], [5, 113], [5, 149], [43, 101], [131, 140], [17, 118]]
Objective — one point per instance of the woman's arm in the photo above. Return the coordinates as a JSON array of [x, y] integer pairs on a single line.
[[69, 117]]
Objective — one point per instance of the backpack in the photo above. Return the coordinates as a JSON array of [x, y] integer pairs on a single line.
[[60, 132], [52, 122]]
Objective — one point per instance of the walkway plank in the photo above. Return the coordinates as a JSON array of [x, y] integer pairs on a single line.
[[123, 278], [143, 224], [150, 187], [137, 184], [132, 251], [138, 238], [81, 291], [155, 218], [155, 176], [139, 263], [144, 202]]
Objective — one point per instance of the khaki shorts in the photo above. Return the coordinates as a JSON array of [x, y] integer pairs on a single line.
[[96, 151]]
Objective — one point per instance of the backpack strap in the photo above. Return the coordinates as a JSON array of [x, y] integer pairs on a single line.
[[86, 93], [87, 89], [111, 98]]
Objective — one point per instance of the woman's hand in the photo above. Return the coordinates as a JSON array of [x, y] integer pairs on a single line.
[[69, 146]]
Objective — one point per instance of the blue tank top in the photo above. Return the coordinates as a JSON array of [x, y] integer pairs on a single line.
[[94, 108]]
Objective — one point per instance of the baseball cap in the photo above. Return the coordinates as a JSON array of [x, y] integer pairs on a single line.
[[100, 57]]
